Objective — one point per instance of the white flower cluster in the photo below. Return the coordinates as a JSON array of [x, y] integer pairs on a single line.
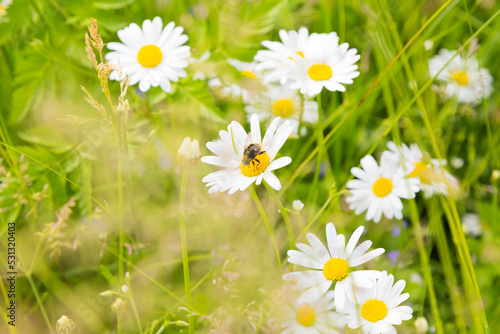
[[378, 189], [366, 299]]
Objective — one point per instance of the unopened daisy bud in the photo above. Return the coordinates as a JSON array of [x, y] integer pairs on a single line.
[[127, 278], [189, 150], [421, 325], [428, 45], [297, 205], [495, 175], [457, 162], [180, 323], [118, 305], [65, 325], [107, 293]]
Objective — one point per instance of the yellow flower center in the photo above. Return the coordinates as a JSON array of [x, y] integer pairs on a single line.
[[460, 78], [305, 315], [382, 187], [419, 168], [336, 269], [374, 310], [149, 56], [283, 108], [320, 72], [256, 166], [249, 74]]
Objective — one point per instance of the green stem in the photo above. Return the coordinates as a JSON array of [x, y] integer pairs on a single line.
[[320, 139], [185, 259], [39, 301], [283, 213], [120, 197], [425, 266], [136, 314], [266, 222]]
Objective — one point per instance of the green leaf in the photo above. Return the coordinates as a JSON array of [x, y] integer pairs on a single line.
[[82, 176], [195, 93], [108, 275], [46, 136], [30, 77], [112, 4]]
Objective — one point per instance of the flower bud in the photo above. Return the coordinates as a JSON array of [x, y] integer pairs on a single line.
[[118, 305], [65, 325], [421, 325], [189, 150]]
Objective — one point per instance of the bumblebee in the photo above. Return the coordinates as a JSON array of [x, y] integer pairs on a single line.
[[251, 153], [255, 159]]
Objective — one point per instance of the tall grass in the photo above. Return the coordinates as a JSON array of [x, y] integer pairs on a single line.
[[199, 262]]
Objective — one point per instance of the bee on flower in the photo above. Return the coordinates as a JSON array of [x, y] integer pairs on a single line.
[[378, 309], [333, 266], [462, 78], [284, 102], [317, 62], [152, 56], [247, 158]]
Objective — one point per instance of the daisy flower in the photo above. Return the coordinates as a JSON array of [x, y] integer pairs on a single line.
[[151, 56], [310, 318], [409, 158], [247, 158], [471, 225], [272, 61], [4, 4], [379, 189], [376, 310], [437, 180], [324, 63], [297, 205], [332, 266], [249, 85], [284, 102], [463, 78]]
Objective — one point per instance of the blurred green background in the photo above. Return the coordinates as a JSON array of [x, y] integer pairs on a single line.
[[49, 135]]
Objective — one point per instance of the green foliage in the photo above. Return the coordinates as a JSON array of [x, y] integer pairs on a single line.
[[126, 177]]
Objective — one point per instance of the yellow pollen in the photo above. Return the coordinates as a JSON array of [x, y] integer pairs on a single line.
[[320, 72], [382, 187], [336, 269], [249, 74], [256, 166], [305, 315], [283, 108], [419, 168], [374, 310], [461, 78], [149, 56]]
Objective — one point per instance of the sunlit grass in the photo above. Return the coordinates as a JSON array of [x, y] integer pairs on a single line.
[[146, 249]]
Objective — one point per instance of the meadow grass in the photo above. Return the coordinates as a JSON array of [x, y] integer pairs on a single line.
[[121, 236]]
